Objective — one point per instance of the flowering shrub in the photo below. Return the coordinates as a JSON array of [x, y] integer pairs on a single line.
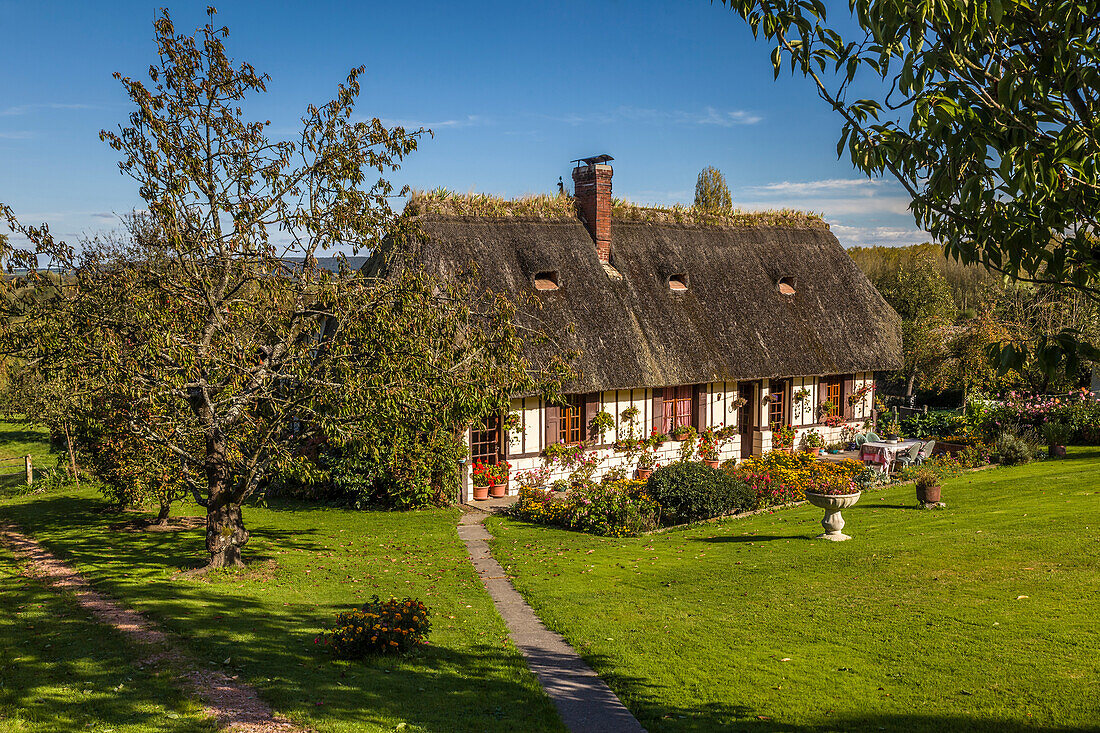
[[377, 627], [782, 435], [533, 477], [943, 466], [615, 508]]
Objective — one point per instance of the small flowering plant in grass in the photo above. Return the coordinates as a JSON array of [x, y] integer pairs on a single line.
[[377, 627]]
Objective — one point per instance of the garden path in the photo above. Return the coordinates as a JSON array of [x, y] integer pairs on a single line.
[[235, 705], [584, 701]]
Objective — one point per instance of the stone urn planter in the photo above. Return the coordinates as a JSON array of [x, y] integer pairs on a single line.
[[498, 490], [833, 521], [481, 493]]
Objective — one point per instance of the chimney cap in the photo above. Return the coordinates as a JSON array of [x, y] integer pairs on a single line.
[[594, 160]]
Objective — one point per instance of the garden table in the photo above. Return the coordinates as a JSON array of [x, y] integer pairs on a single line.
[[883, 454]]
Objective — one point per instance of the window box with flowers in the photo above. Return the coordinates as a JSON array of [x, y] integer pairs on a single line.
[[490, 479]]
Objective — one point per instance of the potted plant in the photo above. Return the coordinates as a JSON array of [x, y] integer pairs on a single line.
[[600, 423], [481, 480], [782, 437], [683, 432], [1056, 434], [832, 494], [646, 463], [928, 487], [811, 442], [656, 439], [890, 428], [856, 397], [824, 409]]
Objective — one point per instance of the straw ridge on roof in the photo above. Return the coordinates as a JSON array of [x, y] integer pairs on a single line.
[[444, 202]]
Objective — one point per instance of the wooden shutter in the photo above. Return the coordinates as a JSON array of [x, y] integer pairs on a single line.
[[658, 411], [847, 387], [553, 424], [699, 407], [505, 438], [591, 407]]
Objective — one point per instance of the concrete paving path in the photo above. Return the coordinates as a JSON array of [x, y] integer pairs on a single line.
[[585, 703]]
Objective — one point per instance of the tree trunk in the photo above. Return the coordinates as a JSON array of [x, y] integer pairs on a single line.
[[72, 454], [909, 384], [225, 532], [162, 516]]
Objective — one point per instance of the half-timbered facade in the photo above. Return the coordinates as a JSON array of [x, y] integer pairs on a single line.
[[681, 321]]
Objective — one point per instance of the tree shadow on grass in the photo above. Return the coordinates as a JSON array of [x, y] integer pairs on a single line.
[[471, 686]]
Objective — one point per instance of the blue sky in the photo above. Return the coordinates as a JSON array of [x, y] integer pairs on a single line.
[[513, 91]]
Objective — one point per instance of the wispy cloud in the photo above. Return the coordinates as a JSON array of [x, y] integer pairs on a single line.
[[22, 109], [467, 121], [16, 135], [866, 236], [707, 116], [829, 185]]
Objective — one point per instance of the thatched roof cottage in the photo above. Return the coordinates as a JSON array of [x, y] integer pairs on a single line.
[[674, 314]]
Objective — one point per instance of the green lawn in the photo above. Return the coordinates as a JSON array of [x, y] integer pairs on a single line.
[[309, 563], [983, 616], [19, 439], [61, 672]]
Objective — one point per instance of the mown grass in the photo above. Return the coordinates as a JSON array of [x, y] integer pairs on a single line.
[[19, 439], [983, 616], [308, 564], [61, 671]]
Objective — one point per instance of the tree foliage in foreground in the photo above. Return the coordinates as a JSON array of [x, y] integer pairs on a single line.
[[989, 117], [228, 357]]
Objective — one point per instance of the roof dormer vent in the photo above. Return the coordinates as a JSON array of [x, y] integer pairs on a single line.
[[546, 280], [678, 282], [787, 285]]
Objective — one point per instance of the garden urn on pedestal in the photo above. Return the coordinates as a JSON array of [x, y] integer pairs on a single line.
[[833, 521]]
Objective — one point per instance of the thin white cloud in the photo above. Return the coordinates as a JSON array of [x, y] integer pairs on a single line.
[[828, 185], [467, 121], [16, 135], [863, 205], [22, 109], [708, 116], [871, 236]]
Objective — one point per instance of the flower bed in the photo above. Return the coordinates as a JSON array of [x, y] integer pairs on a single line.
[[617, 508], [377, 627], [778, 477]]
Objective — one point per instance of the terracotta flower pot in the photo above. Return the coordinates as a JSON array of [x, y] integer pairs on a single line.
[[712, 464], [498, 490], [644, 473], [832, 504], [1057, 451], [928, 495], [481, 493]]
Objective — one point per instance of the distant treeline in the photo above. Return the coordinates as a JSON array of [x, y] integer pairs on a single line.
[[969, 284]]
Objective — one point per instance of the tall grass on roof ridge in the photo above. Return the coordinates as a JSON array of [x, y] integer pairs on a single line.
[[445, 202]]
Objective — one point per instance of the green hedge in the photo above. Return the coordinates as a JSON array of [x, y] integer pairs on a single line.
[[688, 491]]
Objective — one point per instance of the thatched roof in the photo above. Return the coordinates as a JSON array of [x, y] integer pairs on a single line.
[[731, 323]]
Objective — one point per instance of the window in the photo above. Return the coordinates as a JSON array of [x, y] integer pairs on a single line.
[[485, 441], [832, 395], [571, 427], [677, 407], [777, 407], [787, 285], [678, 283], [547, 280]]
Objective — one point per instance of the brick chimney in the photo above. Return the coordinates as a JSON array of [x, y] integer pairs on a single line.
[[592, 189]]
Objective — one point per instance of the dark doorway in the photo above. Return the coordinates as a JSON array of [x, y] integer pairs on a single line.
[[746, 416]]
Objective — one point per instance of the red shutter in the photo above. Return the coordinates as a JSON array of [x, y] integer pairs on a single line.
[[553, 425], [699, 407], [591, 407], [658, 411]]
